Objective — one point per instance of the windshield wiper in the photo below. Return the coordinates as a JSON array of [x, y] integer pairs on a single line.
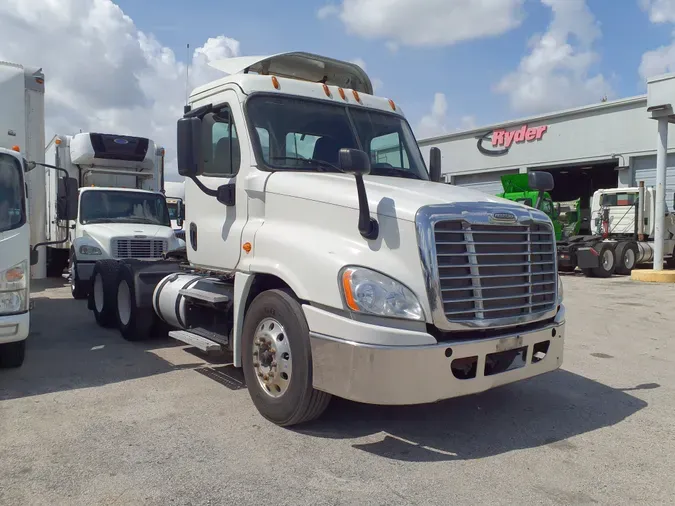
[[395, 172], [321, 164]]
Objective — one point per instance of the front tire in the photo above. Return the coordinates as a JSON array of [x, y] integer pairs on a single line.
[[277, 360], [134, 323], [103, 294], [78, 289], [12, 355]]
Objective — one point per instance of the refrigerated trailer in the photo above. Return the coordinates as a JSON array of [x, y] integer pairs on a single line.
[[21, 195], [326, 269]]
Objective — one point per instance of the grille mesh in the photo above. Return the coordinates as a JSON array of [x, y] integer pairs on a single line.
[[138, 248], [491, 272]]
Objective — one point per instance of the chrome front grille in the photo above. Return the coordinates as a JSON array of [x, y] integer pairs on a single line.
[[138, 248], [484, 271]]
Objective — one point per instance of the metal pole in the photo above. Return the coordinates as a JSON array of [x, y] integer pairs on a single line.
[[660, 207]]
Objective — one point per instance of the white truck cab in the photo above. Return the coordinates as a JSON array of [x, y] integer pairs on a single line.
[[118, 223], [329, 259], [14, 260]]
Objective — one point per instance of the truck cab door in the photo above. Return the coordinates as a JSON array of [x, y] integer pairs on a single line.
[[213, 226]]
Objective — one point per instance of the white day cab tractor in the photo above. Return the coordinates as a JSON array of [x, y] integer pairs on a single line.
[[175, 199], [624, 232], [103, 201], [328, 263]]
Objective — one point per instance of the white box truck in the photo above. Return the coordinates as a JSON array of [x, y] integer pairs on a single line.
[[21, 219], [326, 269], [103, 200]]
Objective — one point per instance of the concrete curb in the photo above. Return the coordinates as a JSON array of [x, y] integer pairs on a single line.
[[652, 276]]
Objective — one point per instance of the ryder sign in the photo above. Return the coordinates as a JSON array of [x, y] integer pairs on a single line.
[[501, 140]]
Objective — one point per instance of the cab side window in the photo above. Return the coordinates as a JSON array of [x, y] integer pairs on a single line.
[[225, 151]]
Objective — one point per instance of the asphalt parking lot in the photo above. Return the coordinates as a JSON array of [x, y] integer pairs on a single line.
[[92, 419]]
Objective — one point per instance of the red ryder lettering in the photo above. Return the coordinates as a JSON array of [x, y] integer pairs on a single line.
[[507, 137]]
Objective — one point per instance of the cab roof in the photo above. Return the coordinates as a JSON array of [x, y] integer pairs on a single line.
[[112, 188]]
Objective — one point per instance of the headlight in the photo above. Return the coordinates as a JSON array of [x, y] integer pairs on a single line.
[[370, 292], [12, 302], [89, 250], [560, 289], [14, 278], [13, 283]]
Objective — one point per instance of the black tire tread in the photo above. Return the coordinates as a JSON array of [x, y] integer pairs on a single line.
[[599, 272], [109, 270], [12, 355], [142, 321], [315, 401]]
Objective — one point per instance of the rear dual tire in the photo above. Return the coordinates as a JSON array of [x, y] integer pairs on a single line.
[[103, 294], [134, 323], [625, 255]]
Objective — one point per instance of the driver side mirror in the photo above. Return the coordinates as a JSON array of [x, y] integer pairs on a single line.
[[181, 214], [354, 162], [66, 199], [540, 181], [189, 145], [435, 165]]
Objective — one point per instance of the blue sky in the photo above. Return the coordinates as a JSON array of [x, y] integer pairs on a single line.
[[466, 72], [119, 65]]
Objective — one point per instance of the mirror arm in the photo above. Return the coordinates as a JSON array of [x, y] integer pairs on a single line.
[[204, 189], [368, 226]]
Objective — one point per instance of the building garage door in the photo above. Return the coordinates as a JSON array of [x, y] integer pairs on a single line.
[[645, 170], [487, 182]]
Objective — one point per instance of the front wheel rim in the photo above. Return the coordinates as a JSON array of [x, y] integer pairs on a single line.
[[272, 360], [124, 302], [98, 293]]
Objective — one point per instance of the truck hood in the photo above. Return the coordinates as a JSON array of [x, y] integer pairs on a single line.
[[388, 196], [107, 231]]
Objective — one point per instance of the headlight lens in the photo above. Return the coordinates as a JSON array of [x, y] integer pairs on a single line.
[[560, 289], [367, 291], [13, 284], [14, 278], [89, 250]]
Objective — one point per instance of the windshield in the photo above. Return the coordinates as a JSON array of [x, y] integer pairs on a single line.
[[12, 212], [299, 134], [123, 207]]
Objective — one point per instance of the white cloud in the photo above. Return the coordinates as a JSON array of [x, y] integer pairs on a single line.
[[101, 72], [376, 82], [436, 121], [662, 59], [660, 11], [556, 73], [426, 22]]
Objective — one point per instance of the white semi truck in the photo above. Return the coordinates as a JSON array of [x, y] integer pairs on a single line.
[[326, 269], [21, 137], [103, 201], [624, 226]]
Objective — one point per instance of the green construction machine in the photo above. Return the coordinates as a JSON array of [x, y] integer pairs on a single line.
[[564, 215]]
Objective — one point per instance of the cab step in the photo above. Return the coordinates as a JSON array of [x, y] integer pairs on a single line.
[[195, 340], [203, 295]]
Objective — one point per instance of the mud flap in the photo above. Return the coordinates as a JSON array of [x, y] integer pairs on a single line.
[[588, 258]]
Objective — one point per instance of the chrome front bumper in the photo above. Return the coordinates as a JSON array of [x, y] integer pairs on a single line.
[[398, 375]]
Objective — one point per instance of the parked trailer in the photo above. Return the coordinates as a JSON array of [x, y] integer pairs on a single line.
[[21, 217], [326, 271], [625, 224]]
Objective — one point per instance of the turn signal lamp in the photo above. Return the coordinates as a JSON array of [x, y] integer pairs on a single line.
[[275, 82], [342, 93], [392, 105], [16, 148], [247, 247], [326, 90], [356, 96], [57, 141], [347, 288]]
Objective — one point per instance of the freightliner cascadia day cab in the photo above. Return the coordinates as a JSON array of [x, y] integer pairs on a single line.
[[326, 269], [22, 135], [103, 201]]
